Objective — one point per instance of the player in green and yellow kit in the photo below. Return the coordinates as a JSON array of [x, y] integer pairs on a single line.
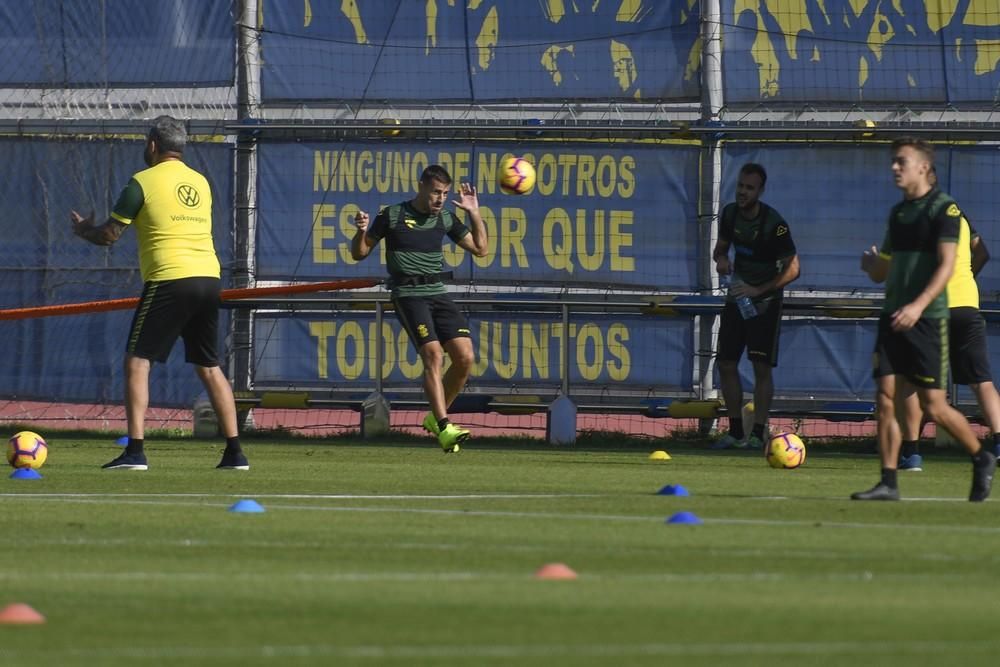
[[911, 351], [413, 231]]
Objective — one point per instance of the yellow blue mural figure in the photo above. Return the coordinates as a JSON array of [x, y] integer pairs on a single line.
[[574, 55], [858, 50]]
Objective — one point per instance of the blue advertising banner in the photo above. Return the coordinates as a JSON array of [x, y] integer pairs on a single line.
[[522, 349], [597, 215], [824, 358], [861, 51], [481, 51], [56, 43]]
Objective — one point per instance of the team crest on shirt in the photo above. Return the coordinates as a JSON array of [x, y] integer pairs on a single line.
[[409, 222], [187, 195], [953, 211]]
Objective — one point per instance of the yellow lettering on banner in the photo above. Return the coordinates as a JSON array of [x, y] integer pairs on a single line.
[[513, 228], [566, 164], [590, 261], [460, 172], [420, 162], [346, 170], [322, 232], [514, 350], [347, 229], [586, 166], [482, 361], [445, 160], [410, 369], [626, 175], [401, 172], [535, 350], [386, 340], [351, 370], [366, 171], [621, 239], [559, 256], [321, 171], [546, 174], [505, 369], [486, 173], [557, 334], [618, 335], [590, 334], [453, 254], [383, 172], [322, 332], [607, 175]]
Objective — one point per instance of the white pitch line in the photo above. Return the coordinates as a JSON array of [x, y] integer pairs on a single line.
[[463, 652], [314, 496], [228, 578], [810, 523]]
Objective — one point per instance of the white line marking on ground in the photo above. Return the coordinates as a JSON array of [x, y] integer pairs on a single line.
[[101, 499], [953, 648], [228, 578], [314, 496]]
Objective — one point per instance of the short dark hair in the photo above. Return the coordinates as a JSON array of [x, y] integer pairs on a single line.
[[754, 168], [169, 134], [920, 145], [437, 173]]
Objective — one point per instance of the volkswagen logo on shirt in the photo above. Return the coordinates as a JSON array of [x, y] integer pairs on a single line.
[[188, 195]]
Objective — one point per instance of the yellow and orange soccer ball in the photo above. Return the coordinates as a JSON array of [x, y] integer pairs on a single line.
[[786, 450], [27, 449], [517, 176]]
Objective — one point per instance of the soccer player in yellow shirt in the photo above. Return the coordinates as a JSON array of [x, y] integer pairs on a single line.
[[170, 206]]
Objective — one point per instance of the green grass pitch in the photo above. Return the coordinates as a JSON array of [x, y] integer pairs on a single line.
[[400, 555]]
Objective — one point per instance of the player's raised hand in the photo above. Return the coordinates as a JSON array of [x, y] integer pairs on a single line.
[[467, 200], [361, 221], [868, 259], [80, 223]]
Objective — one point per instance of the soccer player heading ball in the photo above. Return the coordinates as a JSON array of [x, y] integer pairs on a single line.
[[413, 231]]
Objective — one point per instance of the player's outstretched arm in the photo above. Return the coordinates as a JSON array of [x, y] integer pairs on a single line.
[[361, 245], [875, 265], [476, 242], [104, 235]]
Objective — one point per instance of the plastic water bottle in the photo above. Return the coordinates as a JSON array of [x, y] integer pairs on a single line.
[[743, 303]]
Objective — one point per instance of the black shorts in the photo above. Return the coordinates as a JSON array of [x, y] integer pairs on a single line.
[[759, 335], [430, 318], [970, 358], [186, 308], [919, 354]]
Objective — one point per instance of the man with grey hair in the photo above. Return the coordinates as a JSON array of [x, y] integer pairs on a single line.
[[170, 206]]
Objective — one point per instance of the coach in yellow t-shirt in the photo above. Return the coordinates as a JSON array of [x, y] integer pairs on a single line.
[[170, 206]]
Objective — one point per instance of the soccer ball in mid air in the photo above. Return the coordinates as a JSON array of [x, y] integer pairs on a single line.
[[27, 450], [517, 176], [786, 450]]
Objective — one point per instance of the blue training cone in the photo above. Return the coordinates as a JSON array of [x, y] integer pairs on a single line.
[[122, 441], [25, 473], [673, 490], [685, 517], [246, 505]]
